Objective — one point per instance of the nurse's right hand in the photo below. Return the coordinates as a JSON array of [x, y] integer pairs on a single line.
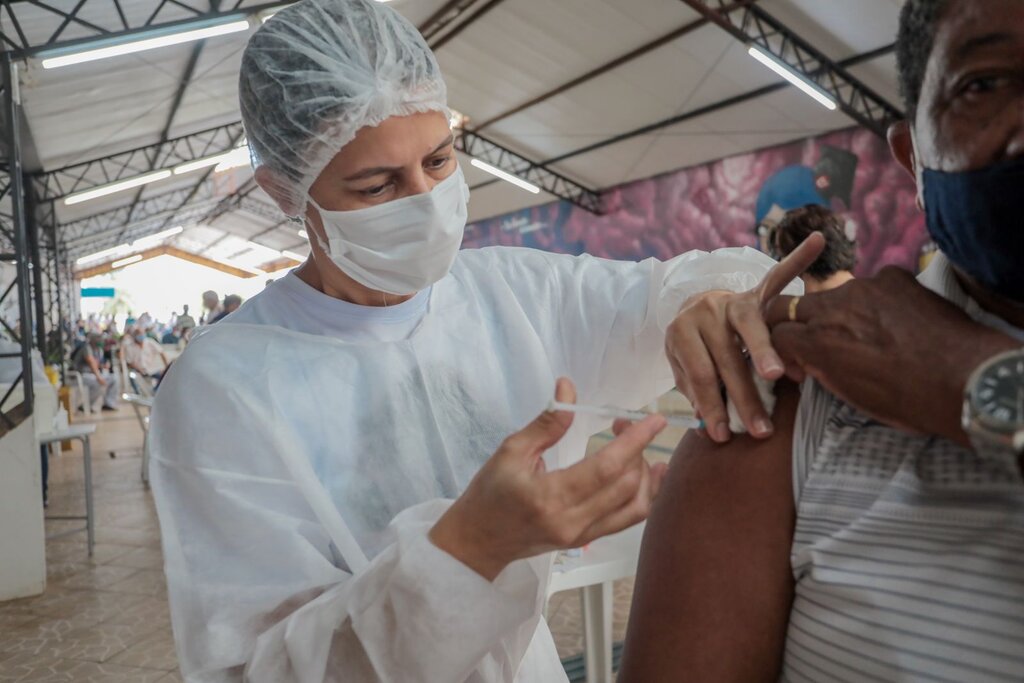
[[514, 508]]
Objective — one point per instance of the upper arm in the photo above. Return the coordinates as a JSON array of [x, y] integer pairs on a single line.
[[714, 586]]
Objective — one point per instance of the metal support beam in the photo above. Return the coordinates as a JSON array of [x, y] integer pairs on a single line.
[[86, 175], [36, 263], [487, 7], [754, 26], [106, 222], [16, 223], [172, 112], [92, 242], [443, 17], [485, 149], [27, 26]]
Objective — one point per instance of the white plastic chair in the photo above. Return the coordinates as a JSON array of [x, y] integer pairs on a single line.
[[592, 573], [143, 406], [83, 395]]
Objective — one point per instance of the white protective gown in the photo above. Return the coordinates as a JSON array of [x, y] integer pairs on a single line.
[[282, 458]]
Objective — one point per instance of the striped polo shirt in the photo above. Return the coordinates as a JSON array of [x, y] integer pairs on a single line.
[[908, 551]]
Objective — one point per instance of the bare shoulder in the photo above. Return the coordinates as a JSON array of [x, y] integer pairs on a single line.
[[714, 586]]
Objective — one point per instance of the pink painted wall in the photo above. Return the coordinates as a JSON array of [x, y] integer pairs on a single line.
[[713, 205]]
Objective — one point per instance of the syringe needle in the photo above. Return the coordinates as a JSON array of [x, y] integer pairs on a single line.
[[613, 412]]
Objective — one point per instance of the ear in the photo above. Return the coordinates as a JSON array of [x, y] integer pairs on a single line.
[[901, 144], [272, 183]]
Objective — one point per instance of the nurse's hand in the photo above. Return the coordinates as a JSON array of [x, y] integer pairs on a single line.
[[705, 345], [515, 509]]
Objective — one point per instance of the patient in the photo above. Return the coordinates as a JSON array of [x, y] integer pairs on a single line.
[[843, 549]]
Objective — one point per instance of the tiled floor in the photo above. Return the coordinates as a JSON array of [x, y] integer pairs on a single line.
[[105, 619]]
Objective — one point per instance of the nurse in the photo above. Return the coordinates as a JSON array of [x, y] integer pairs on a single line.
[[352, 479]]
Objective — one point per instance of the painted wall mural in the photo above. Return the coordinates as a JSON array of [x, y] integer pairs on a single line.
[[720, 204]]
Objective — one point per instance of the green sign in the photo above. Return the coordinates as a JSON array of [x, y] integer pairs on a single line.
[[98, 292]]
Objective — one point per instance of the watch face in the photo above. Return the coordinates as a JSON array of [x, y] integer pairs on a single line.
[[999, 394]]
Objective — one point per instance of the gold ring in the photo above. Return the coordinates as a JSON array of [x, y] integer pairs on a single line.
[[793, 303]]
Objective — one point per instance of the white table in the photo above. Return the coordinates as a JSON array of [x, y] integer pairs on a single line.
[[80, 432], [606, 560]]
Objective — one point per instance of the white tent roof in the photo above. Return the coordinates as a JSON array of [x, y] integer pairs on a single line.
[[513, 52]]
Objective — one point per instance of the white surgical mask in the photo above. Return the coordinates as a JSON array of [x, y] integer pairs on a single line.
[[402, 246]]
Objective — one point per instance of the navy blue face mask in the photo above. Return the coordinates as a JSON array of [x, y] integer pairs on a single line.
[[977, 219]]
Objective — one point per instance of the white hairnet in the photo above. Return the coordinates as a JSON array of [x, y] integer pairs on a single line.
[[320, 70]]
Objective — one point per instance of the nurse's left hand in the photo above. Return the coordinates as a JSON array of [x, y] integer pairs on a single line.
[[514, 508], [705, 346]]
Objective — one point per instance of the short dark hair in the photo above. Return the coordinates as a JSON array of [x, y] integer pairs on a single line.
[[919, 20], [840, 251]]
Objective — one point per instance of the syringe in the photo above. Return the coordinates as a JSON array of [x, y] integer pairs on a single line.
[[612, 412]]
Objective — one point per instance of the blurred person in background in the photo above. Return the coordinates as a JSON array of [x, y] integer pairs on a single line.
[[231, 304], [88, 361], [185, 321], [835, 265], [171, 336], [211, 302], [145, 356]]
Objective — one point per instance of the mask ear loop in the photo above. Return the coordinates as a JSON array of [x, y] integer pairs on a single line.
[[307, 225], [324, 246]]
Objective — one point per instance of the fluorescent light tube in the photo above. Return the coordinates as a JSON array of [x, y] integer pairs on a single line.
[[120, 185], [508, 177], [225, 160], [145, 44], [205, 162], [152, 239], [102, 254], [233, 159], [293, 256], [787, 72], [126, 261]]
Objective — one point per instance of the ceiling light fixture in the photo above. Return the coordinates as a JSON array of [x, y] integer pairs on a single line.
[[102, 254], [176, 38], [126, 262], [293, 256], [799, 80], [508, 177], [119, 186], [239, 156], [233, 159], [158, 237]]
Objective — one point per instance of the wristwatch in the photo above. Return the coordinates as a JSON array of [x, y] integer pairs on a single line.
[[993, 411]]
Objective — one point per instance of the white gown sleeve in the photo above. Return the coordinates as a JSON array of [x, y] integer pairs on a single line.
[[257, 592], [614, 315]]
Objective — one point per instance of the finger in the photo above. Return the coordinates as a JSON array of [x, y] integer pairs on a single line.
[[620, 425], [613, 497], [589, 476], [547, 429], [746, 319], [705, 391], [791, 267], [739, 384], [633, 511]]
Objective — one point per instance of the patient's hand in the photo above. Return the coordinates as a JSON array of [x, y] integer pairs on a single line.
[[889, 347], [714, 586]]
